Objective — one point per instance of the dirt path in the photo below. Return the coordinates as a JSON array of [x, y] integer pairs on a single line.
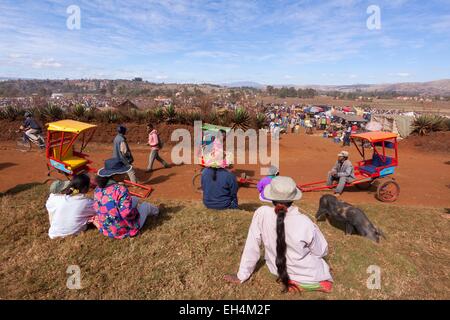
[[424, 178]]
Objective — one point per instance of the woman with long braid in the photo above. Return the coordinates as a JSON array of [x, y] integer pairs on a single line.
[[294, 245]]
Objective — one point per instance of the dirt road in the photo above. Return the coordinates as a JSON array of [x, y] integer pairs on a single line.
[[424, 178]]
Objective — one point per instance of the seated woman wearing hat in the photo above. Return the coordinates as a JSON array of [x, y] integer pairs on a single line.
[[294, 245], [69, 209], [218, 184], [118, 213]]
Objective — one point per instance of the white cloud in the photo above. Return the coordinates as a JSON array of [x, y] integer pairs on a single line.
[[46, 63], [15, 55], [401, 74]]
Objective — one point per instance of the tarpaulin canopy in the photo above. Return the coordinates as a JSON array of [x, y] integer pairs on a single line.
[[348, 109], [313, 109], [349, 117], [395, 123], [374, 126]]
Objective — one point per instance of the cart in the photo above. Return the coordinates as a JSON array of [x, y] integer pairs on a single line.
[[64, 157], [378, 166]]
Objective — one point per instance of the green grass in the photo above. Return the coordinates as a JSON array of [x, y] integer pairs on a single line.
[[185, 253]]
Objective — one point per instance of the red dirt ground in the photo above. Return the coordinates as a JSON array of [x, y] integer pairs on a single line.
[[424, 177]]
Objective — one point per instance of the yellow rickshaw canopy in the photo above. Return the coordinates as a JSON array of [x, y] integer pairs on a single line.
[[69, 126]]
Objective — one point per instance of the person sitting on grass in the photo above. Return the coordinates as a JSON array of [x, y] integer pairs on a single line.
[[70, 211], [219, 187], [294, 245], [273, 172], [118, 213]]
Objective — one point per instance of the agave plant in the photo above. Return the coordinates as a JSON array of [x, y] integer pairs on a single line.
[[212, 118], [92, 114], [109, 116], [260, 120], [170, 113], [53, 112], [79, 112], [158, 114], [37, 112], [241, 119], [12, 113], [427, 123]]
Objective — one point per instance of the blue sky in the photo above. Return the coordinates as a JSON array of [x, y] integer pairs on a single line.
[[270, 42]]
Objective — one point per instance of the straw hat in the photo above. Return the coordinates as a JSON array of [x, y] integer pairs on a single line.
[[112, 167], [59, 186], [283, 189]]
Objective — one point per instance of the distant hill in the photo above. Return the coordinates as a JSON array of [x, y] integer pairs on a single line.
[[19, 87], [438, 87], [248, 84]]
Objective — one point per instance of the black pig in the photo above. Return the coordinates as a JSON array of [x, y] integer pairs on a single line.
[[353, 218]]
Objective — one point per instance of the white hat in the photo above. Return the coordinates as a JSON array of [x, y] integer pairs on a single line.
[[283, 189], [273, 170], [343, 154]]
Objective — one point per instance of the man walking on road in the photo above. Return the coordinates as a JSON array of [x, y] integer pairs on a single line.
[[156, 145]]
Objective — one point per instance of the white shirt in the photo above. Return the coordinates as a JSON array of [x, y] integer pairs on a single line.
[[68, 214], [306, 246]]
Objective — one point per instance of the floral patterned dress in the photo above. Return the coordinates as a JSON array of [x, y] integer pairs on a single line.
[[116, 216]]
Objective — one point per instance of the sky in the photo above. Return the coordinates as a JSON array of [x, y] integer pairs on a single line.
[[191, 41]]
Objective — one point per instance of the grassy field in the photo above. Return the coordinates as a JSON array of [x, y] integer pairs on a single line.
[[186, 251]]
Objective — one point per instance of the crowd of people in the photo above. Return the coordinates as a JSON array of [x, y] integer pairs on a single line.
[[292, 120]]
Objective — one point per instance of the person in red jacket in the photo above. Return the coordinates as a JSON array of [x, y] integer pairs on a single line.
[[155, 145]]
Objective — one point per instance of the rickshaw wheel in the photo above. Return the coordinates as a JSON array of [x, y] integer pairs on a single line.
[[197, 183], [23, 145], [388, 191]]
